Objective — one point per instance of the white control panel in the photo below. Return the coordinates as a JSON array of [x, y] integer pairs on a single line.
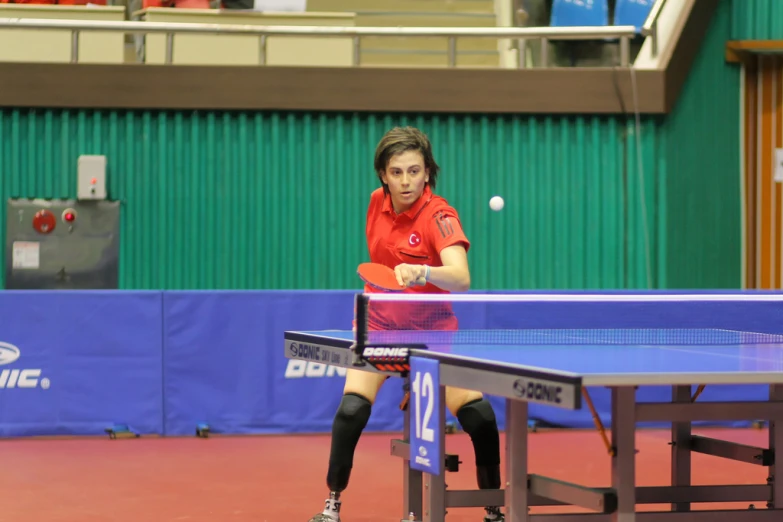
[[92, 177]]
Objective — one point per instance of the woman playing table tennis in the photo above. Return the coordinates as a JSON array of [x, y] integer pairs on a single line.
[[418, 234]]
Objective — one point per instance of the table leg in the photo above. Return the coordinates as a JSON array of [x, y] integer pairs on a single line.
[[623, 461], [680, 452], [411, 478], [775, 476], [435, 485], [516, 461]]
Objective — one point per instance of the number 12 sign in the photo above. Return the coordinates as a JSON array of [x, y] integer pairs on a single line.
[[425, 429]]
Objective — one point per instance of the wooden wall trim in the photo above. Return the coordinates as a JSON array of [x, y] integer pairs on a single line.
[[750, 126], [742, 51], [130, 86], [763, 129]]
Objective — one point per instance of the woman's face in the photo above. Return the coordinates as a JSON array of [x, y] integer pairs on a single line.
[[406, 178]]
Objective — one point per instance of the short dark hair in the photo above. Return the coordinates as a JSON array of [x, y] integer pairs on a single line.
[[402, 139]]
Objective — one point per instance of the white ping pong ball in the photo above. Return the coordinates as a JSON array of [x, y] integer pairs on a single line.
[[496, 203]]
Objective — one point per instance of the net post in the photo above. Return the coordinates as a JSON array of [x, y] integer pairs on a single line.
[[361, 303]]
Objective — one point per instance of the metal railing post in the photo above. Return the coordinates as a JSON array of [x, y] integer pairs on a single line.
[[625, 51], [169, 48], [75, 46], [650, 27], [522, 53], [262, 50], [452, 51], [357, 51]]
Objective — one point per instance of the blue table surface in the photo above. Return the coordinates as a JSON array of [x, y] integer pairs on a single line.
[[603, 359]]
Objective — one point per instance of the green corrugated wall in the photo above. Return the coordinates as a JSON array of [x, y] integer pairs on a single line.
[[703, 247], [278, 200], [756, 19]]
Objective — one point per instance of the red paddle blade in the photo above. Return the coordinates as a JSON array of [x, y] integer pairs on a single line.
[[379, 276]]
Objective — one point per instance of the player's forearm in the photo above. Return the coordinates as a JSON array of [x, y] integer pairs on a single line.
[[450, 278]]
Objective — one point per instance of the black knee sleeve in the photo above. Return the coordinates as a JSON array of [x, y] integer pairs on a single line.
[[350, 420], [478, 420]]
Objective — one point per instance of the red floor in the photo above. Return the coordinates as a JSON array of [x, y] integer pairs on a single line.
[[281, 478]]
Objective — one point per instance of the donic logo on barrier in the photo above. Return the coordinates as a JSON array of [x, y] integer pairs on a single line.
[[16, 378], [8, 353]]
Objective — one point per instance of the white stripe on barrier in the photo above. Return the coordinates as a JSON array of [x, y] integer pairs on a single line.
[[518, 298]]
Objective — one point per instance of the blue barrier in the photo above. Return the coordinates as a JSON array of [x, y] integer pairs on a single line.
[[77, 363], [225, 364], [86, 361]]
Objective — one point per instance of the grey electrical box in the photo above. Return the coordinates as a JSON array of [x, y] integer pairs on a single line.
[[92, 177], [62, 244]]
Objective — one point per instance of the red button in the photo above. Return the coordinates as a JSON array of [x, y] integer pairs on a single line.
[[44, 221], [69, 215]]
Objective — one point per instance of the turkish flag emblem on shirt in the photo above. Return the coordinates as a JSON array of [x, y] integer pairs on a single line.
[[414, 239]]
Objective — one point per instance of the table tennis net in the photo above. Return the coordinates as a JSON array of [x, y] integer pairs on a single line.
[[565, 320]]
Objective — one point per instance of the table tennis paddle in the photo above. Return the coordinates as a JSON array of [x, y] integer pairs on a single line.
[[382, 277]]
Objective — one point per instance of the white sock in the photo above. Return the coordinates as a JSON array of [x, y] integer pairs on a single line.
[[332, 509]]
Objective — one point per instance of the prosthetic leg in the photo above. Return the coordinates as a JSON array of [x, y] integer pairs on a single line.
[[478, 420], [349, 422]]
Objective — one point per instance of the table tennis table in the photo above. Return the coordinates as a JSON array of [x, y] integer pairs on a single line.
[[557, 367]]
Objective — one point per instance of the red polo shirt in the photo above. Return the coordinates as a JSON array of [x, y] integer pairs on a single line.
[[415, 237]]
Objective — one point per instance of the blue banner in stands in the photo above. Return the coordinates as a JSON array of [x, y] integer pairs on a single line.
[[80, 362]]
